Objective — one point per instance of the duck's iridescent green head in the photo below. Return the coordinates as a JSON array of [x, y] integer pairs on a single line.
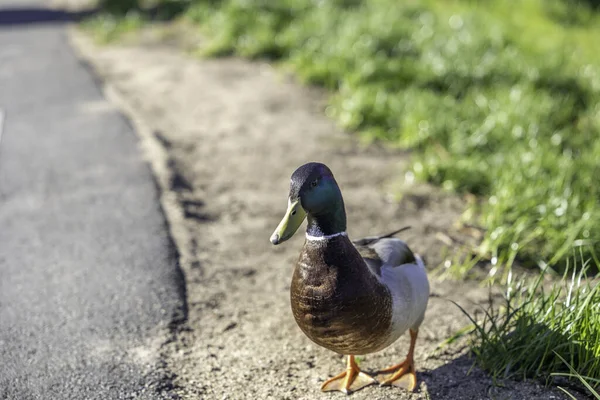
[[313, 192]]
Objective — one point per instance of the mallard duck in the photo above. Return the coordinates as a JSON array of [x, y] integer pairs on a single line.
[[353, 298]]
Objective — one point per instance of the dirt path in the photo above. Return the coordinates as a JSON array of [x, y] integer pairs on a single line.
[[223, 137]]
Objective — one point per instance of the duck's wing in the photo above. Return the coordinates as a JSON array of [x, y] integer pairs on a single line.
[[378, 251], [404, 274]]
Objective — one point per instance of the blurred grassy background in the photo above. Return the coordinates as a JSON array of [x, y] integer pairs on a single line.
[[496, 98]]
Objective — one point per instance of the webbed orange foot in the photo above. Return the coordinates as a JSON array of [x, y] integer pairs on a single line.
[[351, 380], [402, 375]]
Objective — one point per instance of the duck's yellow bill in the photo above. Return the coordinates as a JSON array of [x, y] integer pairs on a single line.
[[290, 223]]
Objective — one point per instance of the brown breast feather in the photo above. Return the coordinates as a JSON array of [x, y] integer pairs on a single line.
[[337, 302]]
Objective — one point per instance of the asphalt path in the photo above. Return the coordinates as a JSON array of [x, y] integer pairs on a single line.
[[89, 281]]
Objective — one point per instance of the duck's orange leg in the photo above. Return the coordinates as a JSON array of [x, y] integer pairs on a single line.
[[403, 375]]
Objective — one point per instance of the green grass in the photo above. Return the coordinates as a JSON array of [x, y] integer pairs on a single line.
[[543, 333], [497, 98], [585, 381], [108, 27], [121, 17]]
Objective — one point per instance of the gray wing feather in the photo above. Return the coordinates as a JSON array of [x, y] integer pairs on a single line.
[[393, 252], [390, 252]]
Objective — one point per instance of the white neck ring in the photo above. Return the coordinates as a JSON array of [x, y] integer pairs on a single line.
[[326, 237]]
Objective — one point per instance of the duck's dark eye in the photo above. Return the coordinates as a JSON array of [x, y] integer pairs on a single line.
[[294, 212], [314, 183]]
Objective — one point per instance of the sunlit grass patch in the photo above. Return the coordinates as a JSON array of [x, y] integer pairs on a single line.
[[500, 99], [117, 18], [543, 333], [108, 27], [497, 99]]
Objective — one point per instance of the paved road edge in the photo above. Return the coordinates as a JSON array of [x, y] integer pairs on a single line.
[[156, 156]]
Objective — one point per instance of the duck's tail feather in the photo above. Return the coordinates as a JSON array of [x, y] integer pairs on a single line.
[[372, 239], [395, 232]]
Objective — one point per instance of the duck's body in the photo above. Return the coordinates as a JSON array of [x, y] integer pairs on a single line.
[[351, 298], [346, 306]]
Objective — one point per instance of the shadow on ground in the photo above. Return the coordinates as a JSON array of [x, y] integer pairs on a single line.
[[455, 378], [461, 379], [458, 376]]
